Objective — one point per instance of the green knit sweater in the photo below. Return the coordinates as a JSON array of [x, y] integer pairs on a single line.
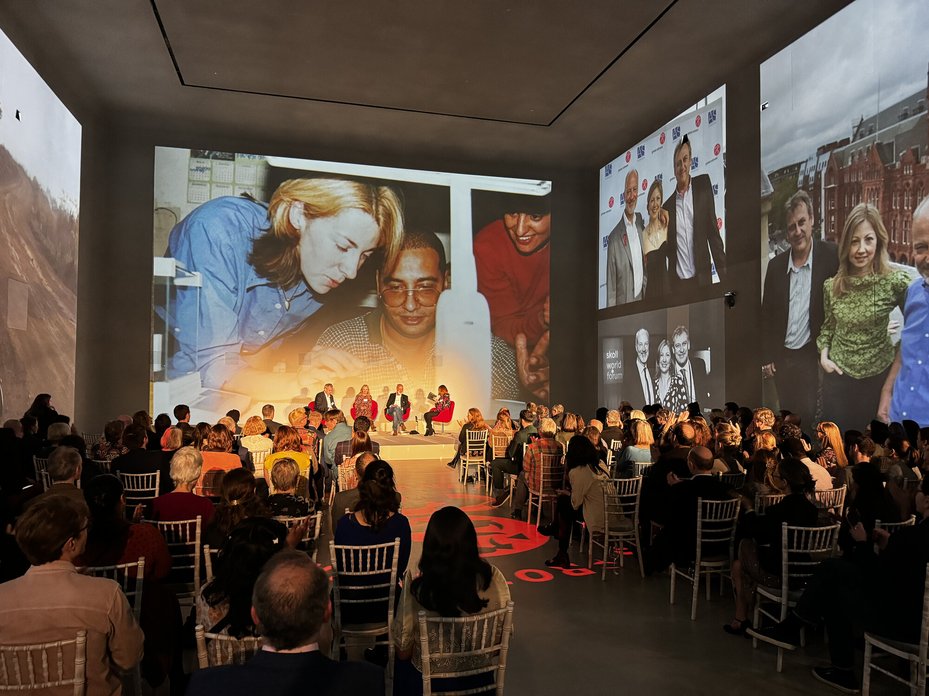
[[855, 325]]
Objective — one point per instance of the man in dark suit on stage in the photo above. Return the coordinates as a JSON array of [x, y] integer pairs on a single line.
[[638, 383], [290, 604], [625, 269], [692, 370], [792, 310], [324, 400], [397, 404], [692, 231]]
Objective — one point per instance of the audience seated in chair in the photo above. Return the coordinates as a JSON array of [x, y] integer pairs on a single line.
[[141, 460], [361, 426], [513, 463], [182, 503], [64, 470], [285, 502], [347, 500], [238, 500], [532, 463], [52, 601], [287, 444], [290, 605]]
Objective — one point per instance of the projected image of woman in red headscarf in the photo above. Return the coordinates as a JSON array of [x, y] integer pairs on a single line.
[[264, 270]]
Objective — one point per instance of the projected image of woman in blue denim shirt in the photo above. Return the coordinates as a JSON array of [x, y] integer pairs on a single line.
[[265, 268]]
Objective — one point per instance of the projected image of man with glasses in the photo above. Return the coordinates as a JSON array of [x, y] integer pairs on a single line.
[[396, 342]]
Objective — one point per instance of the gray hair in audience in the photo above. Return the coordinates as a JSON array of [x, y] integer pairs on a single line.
[[284, 474], [186, 465], [56, 431], [547, 427], [290, 600], [64, 463]]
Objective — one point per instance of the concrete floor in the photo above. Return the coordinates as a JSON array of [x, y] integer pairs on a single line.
[[578, 634]]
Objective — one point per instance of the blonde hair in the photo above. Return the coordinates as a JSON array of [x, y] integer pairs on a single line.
[[276, 254], [765, 441], [476, 418], [227, 423], [253, 426], [297, 417], [834, 437], [863, 212], [641, 433]]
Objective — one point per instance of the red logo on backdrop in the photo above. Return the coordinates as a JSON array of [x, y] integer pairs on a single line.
[[697, 120], [628, 156], [661, 138], [716, 149], [611, 201], [719, 223], [496, 536], [644, 184]]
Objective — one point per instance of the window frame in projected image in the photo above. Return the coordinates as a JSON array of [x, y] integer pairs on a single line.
[[40, 161], [622, 280], [621, 343], [860, 139], [226, 336]]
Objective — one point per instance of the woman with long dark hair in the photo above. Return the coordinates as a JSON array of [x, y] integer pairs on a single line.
[[238, 501], [376, 520], [224, 604], [44, 413], [453, 580]]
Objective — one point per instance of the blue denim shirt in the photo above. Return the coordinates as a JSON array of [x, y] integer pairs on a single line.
[[239, 312], [911, 389]]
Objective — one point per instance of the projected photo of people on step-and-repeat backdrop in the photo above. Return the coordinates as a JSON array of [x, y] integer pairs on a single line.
[[845, 237], [275, 276]]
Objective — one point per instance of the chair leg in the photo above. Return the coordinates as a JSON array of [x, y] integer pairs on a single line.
[[780, 660], [866, 675], [755, 619], [673, 581], [638, 552], [708, 577], [696, 595]]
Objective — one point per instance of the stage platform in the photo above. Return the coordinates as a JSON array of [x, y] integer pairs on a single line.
[[416, 447]]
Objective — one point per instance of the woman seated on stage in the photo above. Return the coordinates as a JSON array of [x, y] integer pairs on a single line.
[[362, 404], [443, 402]]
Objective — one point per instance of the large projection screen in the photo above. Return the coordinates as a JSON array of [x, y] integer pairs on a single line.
[[40, 178], [275, 276]]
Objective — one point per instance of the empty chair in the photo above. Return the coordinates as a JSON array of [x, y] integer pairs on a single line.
[[802, 549], [37, 667], [621, 523], [716, 520], [214, 649]]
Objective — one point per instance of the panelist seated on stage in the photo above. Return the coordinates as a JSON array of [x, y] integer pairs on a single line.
[[397, 409], [396, 341]]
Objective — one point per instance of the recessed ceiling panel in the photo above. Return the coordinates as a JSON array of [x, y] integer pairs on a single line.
[[518, 62]]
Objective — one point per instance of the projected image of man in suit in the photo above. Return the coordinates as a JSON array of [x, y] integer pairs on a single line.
[[625, 269], [691, 370], [693, 234], [792, 310]]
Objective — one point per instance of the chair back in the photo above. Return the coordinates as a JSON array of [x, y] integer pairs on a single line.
[[348, 477], [891, 527], [609, 462], [41, 471], [621, 499], [550, 476], [640, 468], [446, 415], [832, 499], [312, 531], [128, 575], [91, 439], [476, 443], [616, 445], [105, 465], [209, 559], [716, 522], [258, 461], [38, 667], [802, 549], [183, 539], [465, 646], [766, 500], [499, 442], [139, 488], [364, 575], [733, 479], [222, 649]]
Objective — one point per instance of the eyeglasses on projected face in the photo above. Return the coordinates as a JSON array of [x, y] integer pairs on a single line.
[[424, 295]]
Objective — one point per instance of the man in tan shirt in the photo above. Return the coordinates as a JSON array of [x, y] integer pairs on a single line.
[[52, 601]]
